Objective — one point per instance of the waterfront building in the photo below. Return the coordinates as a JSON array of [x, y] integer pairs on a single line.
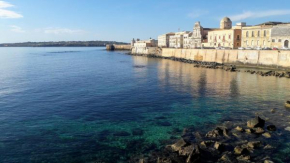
[[258, 36], [163, 40], [176, 41], [280, 36], [226, 36], [146, 43], [187, 40], [199, 36]]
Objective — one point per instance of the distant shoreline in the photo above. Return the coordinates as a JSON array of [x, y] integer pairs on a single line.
[[62, 44]]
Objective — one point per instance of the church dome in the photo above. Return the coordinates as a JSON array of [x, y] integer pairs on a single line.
[[226, 23], [226, 19]]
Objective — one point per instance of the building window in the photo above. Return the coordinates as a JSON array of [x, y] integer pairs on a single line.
[[279, 40], [273, 40], [229, 36], [247, 34], [252, 33], [238, 44], [252, 42], [265, 33], [264, 42], [258, 33], [238, 37], [247, 43]]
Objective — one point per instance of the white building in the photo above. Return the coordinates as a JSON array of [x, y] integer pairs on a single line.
[[176, 41], [187, 40], [163, 40], [146, 43]]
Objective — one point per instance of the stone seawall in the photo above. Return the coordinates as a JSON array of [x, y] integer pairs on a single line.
[[118, 47], [272, 58]]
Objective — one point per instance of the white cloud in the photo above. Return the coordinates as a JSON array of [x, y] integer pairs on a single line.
[[4, 4], [58, 31], [16, 29], [197, 13], [259, 14], [8, 14]]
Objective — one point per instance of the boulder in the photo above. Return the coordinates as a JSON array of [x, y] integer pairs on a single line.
[[227, 157], [238, 128], [186, 151], [240, 150], [249, 131], [259, 130], [194, 156], [256, 122], [206, 144], [267, 135], [268, 161], [218, 132], [178, 145], [219, 146], [254, 144], [244, 158]]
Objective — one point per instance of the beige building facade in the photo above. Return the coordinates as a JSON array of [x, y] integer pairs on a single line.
[[146, 43], [187, 40], [256, 36], [280, 36], [163, 40], [177, 40], [226, 37]]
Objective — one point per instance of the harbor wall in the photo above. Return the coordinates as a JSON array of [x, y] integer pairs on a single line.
[[118, 47], [273, 58]]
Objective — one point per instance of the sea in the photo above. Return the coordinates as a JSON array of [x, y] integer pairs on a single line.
[[75, 105]]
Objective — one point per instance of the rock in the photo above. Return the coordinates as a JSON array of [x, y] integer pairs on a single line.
[[268, 161], [256, 122], [194, 156], [218, 132], [287, 128], [206, 144], [178, 145], [254, 144], [243, 158], [227, 158], [267, 135], [268, 147], [186, 151], [238, 128], [240, 151], [219, 146], [259, 130], [271, 128], [273, 110], [249, 131]]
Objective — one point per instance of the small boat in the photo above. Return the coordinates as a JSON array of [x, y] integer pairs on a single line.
[[287, 104]]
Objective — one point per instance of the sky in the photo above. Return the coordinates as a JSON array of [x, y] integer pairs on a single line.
[[122, 20]]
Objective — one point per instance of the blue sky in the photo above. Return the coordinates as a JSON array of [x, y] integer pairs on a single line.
[[64, 20]]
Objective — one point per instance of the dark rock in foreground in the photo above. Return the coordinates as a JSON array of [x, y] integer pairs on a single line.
[[223, 145]]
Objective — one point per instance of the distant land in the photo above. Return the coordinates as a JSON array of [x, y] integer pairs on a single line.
[[62, 44]]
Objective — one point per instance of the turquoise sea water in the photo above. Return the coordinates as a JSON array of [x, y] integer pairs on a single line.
[[90, 105]]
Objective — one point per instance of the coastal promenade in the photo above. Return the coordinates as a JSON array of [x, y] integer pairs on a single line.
[[269, 58]]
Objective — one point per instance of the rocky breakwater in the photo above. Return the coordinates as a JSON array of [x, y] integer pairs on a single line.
[[228, 143]]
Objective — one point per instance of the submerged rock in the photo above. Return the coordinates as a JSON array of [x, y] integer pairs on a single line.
[[267, 135], [256, 122], [271, 128]]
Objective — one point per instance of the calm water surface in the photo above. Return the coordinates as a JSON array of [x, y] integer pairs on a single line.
[[87, 104]]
